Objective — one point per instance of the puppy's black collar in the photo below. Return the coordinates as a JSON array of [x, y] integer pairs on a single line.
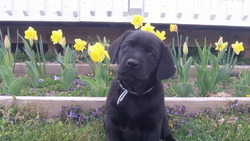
[[125, 92]]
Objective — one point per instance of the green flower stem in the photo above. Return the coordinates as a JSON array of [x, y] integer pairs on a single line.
[[90, 64]]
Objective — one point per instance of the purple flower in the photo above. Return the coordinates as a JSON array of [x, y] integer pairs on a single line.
[[83, 83], [97, 109], [169, 93], [73, 115], [76, 108], [71, 89], [56, 77], [167, 111], [194, 114], [51, 73], [83, 117], [75, 82], [190, 134], [41, 80]]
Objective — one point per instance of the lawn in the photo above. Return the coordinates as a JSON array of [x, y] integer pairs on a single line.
[[20, 123]]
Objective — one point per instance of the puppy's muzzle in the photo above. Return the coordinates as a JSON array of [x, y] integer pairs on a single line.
[[132, 63]]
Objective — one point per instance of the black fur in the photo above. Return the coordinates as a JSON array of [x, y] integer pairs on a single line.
[[143, 61]]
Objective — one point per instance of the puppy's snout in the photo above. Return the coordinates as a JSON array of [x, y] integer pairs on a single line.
[[132, 63]]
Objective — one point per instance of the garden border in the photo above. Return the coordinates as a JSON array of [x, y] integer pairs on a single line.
[[20, 68], [51, 105]]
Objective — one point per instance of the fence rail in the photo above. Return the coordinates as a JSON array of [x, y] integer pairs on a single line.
[[194, 12]]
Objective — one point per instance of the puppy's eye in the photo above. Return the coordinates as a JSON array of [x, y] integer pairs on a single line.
[[127, 47], [150, 55]]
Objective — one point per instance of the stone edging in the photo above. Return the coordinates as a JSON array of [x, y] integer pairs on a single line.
[[51, 105]]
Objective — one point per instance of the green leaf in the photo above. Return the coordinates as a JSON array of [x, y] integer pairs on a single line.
[[9, 59], [184, 89], [33, 73], [90, 82], [68, 76], [7, 75], [39, 70], [16, 86], [222, 73], [186, 68], [67, 56], [221, 54], [28, 49], [60, 60]]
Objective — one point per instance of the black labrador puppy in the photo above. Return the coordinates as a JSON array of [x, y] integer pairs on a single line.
[[135, 108]]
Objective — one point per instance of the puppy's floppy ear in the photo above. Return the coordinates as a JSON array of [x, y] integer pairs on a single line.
[[166, 66], [114, 48]]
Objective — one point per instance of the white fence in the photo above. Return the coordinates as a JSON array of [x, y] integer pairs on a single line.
[[195, 12]]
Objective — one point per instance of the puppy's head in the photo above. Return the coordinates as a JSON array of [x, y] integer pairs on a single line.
[[141, 55]]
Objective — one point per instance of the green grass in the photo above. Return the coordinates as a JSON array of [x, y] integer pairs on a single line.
[[21, 123], [56, 131], [203, 129], [197, 130]]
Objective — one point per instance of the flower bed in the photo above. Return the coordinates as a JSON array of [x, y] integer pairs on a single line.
[[211, 70]]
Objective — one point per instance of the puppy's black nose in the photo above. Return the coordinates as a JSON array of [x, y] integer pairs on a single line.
[[132, 63]]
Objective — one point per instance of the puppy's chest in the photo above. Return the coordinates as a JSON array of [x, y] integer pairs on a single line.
[[133, 109], [136, 118]]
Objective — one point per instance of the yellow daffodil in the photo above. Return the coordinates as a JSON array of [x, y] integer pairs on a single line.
[[248, 95], [238, 47], [160, 35], [220, 45], [97, 52], [57, 36], [173, 28], [80, 44], [148, 27], [137, 21], [30, 34], [7, 42], [185, 48]]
